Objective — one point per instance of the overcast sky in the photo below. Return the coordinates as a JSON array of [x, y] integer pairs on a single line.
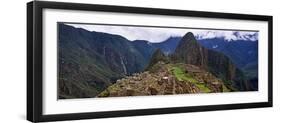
[[154, 34]]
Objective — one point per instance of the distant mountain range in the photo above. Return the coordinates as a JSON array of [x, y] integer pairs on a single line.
[[90, 62]]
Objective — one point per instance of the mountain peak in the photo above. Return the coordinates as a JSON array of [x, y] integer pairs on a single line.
[[188, 42], [189, 36]]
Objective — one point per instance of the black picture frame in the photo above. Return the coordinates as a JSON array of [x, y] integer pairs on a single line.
[[35, 69]]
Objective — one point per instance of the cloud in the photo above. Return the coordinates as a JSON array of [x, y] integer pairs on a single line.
[[154, 34], [228, 35]]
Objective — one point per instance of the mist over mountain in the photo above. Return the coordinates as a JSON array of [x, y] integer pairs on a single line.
[[228, 35], [156, 34]]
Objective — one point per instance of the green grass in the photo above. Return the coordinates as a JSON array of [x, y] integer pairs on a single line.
[[182, 76], [203, 88], [225, 89]]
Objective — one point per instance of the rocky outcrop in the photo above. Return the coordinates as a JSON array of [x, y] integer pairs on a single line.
[[157, 56], [167, 79]]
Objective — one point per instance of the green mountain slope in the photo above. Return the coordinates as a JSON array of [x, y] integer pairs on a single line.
[[91, 61]]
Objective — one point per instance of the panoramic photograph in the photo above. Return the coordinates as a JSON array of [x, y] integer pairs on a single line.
[[109, 60]]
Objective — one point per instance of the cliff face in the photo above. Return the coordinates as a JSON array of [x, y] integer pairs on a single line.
[[189, 51]]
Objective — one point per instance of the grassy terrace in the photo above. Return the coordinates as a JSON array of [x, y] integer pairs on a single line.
[[182, 76]]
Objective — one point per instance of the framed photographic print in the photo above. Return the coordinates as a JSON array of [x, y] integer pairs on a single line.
[[95, 61]]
